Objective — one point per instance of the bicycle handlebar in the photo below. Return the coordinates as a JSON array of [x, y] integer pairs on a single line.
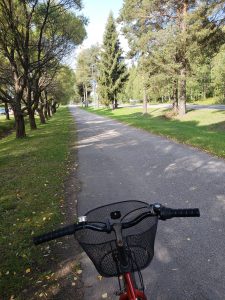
[[168, 213], [155, 210], [67, 230], [55, 234]]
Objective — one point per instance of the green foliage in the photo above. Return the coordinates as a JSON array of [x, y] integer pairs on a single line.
[[86, 67], [35, 37], [174, 41], [62, 88], [112, 69], [218, 74], [134, 85]]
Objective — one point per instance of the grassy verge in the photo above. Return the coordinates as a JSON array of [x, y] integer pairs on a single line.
[[5, 125], [209, 101], [32, 174], [204, 129]]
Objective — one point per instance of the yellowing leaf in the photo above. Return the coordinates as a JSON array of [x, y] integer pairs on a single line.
[[104, 296]]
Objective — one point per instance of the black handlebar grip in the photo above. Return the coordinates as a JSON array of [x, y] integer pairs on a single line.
[[168, 213], [55, 234]]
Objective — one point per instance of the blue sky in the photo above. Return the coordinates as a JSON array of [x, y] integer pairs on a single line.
[[98, 11]]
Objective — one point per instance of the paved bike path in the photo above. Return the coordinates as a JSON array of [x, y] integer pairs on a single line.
[[118, 162]]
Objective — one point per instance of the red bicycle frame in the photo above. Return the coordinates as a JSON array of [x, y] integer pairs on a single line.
[[130, 292]]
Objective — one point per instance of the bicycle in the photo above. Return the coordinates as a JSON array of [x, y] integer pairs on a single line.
[[119, 239]]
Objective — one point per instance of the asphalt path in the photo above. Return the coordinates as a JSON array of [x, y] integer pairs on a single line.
[[118, 162], [188, 106]]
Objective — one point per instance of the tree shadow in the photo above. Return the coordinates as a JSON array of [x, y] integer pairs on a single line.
[[188, 251], [206, 137]]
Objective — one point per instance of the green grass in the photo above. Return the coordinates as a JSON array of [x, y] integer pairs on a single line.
[[32, 172], [209, 101], [5, 125], [204, 129]]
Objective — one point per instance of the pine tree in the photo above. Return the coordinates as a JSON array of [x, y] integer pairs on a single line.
[[112, 69], [186, 27]]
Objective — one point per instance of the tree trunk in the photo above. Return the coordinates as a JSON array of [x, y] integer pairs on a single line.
[[41, 114], [32, 121], [116, 103], [20, 124], [30, 108], [175, 98], [84, 100], [16, 106], [182, 93], [203, 91], [86, 96], [46, 111], [191, 95], [54, 103], [145, 108], [182, 59], [49, 111], [7, 111]]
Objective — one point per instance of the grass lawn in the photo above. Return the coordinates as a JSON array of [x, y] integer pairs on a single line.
[[5, 125], [32, 172], [209, 101], [204, 129]]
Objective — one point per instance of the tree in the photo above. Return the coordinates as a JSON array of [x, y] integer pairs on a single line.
[[218, 74], [35, 36], [86, 71], [112, 69], [184, 27], [133, 86], [62, 88]]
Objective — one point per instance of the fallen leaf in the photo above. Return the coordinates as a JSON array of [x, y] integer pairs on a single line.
[[104, 296], [79, 272], [99, 277], [27, 270]]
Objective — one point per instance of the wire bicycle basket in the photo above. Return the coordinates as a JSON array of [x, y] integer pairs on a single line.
[[138, 240]]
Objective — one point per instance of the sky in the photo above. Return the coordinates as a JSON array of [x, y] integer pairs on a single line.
[[97, 12]]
